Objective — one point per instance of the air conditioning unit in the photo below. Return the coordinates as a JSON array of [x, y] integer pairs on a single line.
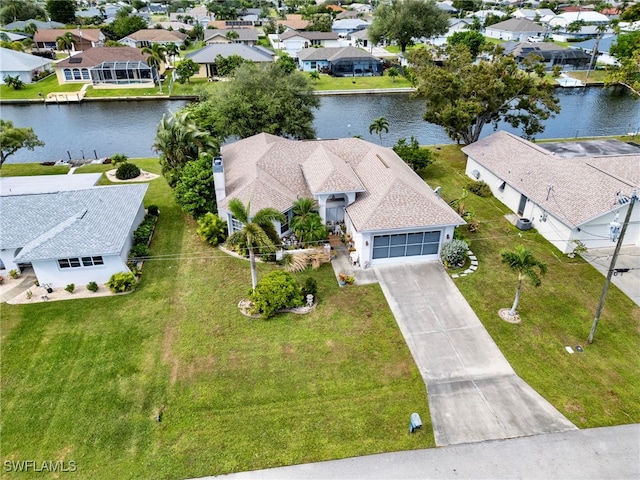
[[524, 224]]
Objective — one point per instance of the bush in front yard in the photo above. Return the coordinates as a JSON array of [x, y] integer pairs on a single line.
[[276, 290], [127, 171], [139, 250], [212, 229], [121, 282], [454, 253], [480, 188], [92, 286]]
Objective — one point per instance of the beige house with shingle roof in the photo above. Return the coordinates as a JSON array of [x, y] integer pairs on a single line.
[[567, 194], [391, 213], [149, 36]]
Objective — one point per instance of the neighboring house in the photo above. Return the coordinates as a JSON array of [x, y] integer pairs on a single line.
[[83, 39], [20, 24], [150, 36], [180, 26], [349, 25], [13, 37], [515, 29], [455, 25], [294, 21], [482, 15], [392, 215], [70, 236], [552, 54], [360, 38], [566, 197], [340, 62], [604, 46], [245, 36], [206, 56], [106, 67], [534, 15], [294, 41], [560, 25], [23, 65], [446, 7]]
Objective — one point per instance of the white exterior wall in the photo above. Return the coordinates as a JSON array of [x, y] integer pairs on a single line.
[[306, 65], [7, 256], [48, 271]]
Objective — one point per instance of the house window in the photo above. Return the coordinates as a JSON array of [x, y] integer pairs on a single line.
[[312, 65], [67, 74], [284, 227], [76, 262], [85, 74], [236, 226], [76, 74], [316, 43]]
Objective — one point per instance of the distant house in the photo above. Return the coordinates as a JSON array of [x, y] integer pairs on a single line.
[[83, 39], [392, 215], [565, 191], [534, 15], [360, 38], [180, 26], [515, 29], [69, 235], [106, 67], [340, 62], [455, 25], [150, 36], [23, 65], [206, 56], [294, 21], [294, 41], [482, 15], [560, 25], [348, 25], [20, 24], [552, 54], [603, 55], [245, 36]]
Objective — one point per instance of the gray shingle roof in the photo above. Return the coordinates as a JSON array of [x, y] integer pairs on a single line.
[[309, 35], [269, 171], [333, 54], [583, 187], [517, 25], [11, 60], [244, 34], [97, 55], [209, 53], [93, 221]]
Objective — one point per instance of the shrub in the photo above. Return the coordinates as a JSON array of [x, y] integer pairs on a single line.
[[454, 253], [29, 294], [153, 210], [212, 229], [310, 287], [127, 171], [92, 286], [139, 250], [121, 282], [70, 288], [14, 273], [195, 191], [119, 158], [414, 156], [143, 233], [480, 188], [276, 290]]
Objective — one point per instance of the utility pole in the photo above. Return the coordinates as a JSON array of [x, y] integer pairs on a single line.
[[634, 197]]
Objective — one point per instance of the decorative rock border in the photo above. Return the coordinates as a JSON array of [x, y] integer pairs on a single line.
[[245, 306], [472, 268]]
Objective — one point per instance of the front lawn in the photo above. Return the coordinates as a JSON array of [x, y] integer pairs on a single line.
[[327, 82], [599, 387], [33, 90], [89, 380]]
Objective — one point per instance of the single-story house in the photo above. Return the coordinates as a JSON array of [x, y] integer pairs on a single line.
[[180, 26], [447, 7], [206, 56], [21, 24], [482, 15], [150, 36], [83, 39], [516, 29], [294, 41], [603, 55], [246, 36], [348, 25], [530, 14], [360, 38], [70, 236], [106, 66], [22, 65], [560, 25], [455, 25], [13, 37], [552, 54], [294, 21], [568, 191], [392, 215], [340, 62]]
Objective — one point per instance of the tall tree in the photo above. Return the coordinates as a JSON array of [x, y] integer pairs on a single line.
[[156, 59], [186, 69], [179, 141], [379, 125], [259, 100], [471, 39], [195, 191], [66, 42], [63, 11], [522, 261], [403, 20], [463, 96], [13, 139], [255, 231]]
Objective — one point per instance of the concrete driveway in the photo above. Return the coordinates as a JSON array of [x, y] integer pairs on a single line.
[[629, 257], [474, 394]]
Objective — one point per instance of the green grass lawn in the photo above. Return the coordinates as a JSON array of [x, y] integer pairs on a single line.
[[85, 380], [327, 82], [596, 388], [32, 90]]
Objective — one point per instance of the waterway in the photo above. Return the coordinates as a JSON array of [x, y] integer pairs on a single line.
[[103, 128]]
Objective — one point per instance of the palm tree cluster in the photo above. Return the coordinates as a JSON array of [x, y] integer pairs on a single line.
[[306, 223]]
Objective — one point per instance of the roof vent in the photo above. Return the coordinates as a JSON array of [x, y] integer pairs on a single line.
[[381, 160]]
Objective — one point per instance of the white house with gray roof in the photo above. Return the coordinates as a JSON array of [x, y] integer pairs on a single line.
[[23, 65], [206, 56], [569, 191], [391, 213], [70, 236]]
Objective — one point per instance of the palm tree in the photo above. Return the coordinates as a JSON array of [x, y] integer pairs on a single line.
[[378, 125], [600, 29], [306, 222], [66, 42], [521, 260], [157, 57], [172, 50], [31, 28], [232, 35], [257, 231]]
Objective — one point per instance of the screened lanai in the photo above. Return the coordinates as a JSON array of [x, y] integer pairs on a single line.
[[122, 73]]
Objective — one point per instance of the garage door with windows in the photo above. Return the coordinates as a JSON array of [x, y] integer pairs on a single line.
[[406, 244]]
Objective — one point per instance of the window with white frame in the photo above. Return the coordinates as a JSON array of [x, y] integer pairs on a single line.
[[76, 262], [236, 225]]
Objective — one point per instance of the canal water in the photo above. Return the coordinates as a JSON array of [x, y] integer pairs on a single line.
[[129, 127]]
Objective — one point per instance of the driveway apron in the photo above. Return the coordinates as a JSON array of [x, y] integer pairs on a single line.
[[474, 394]]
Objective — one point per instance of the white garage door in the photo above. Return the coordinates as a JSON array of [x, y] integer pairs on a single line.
[[405, 244]]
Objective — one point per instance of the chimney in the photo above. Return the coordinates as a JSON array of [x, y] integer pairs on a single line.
[[218, 178]]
